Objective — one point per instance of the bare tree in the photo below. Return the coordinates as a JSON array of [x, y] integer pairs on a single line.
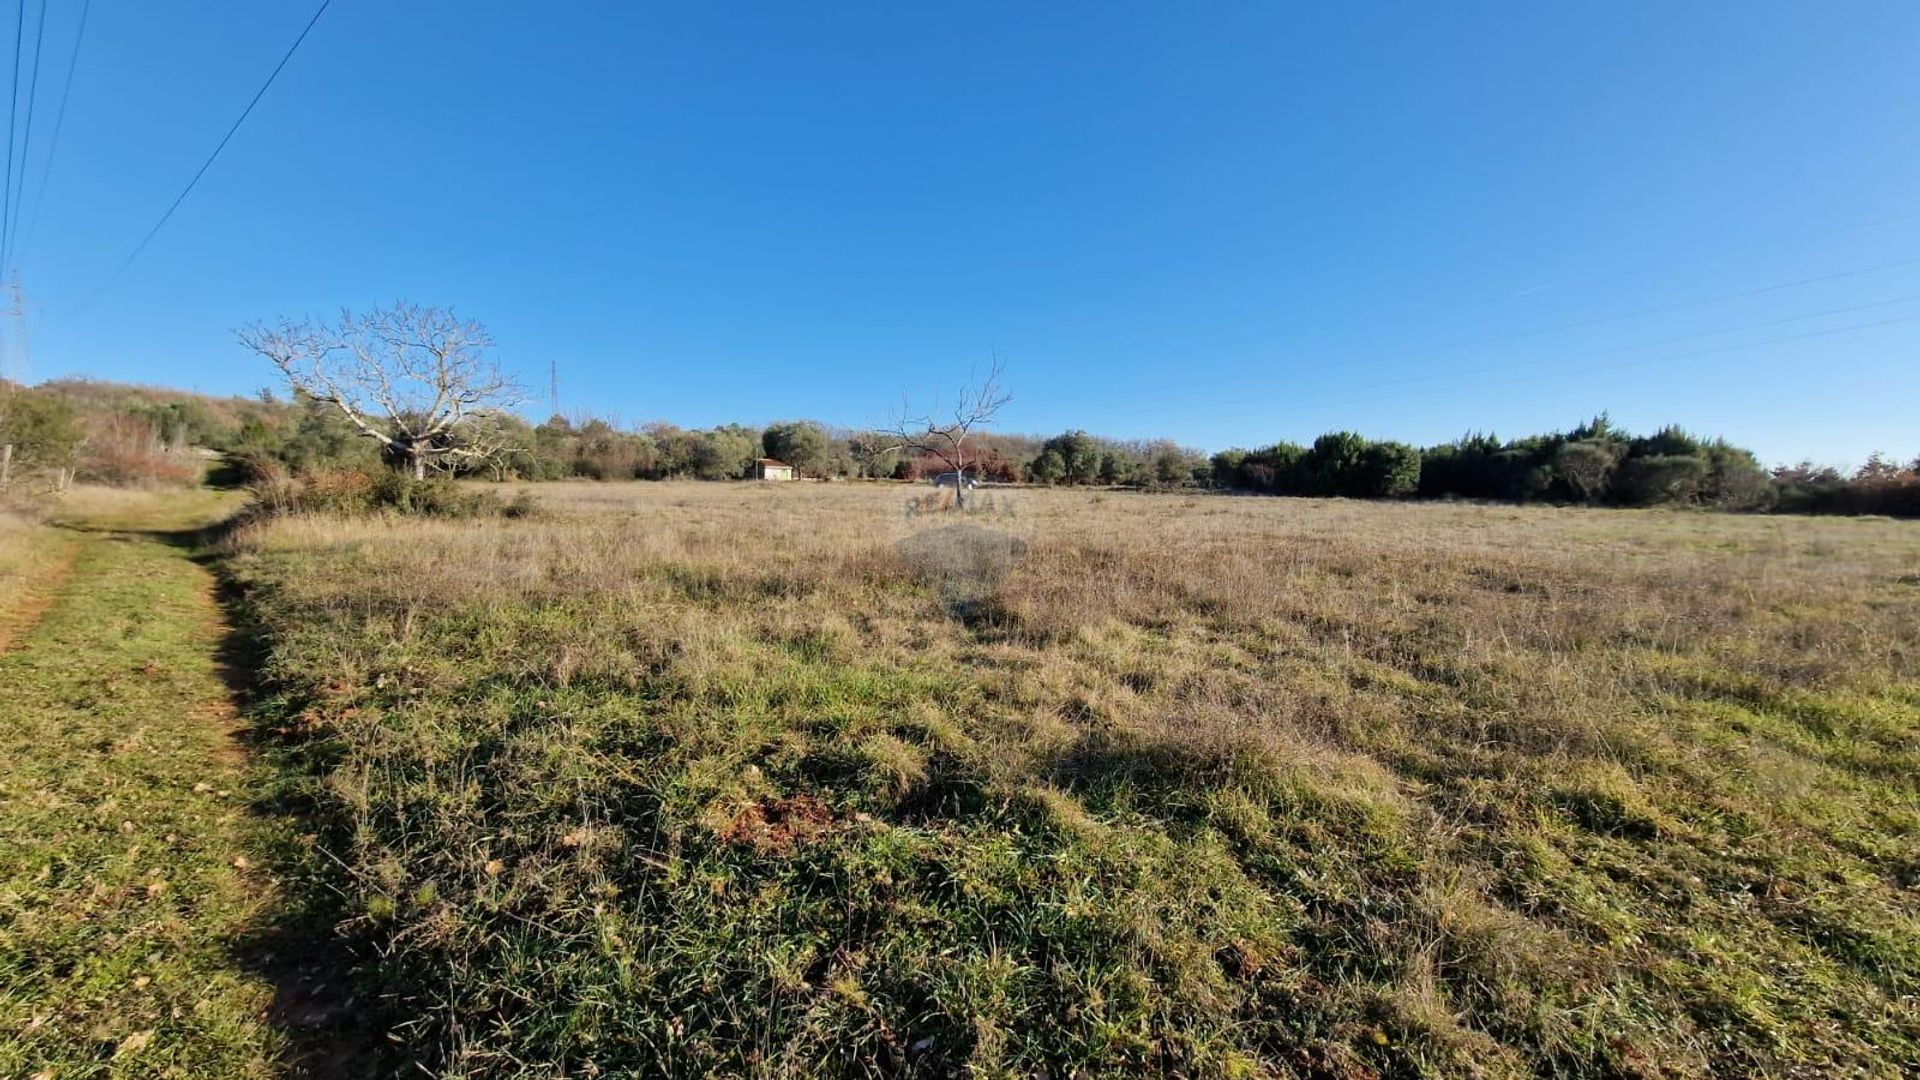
[[416, 379], [943, 435]]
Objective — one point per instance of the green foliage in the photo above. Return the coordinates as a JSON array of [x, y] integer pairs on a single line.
[[142, 434], [1593, 462], [1587, 465], [1387, 470], [370, 491], [1662, 479], [1338, 463], [726, 452], [1224, 468], [1735, 479], [806, 446], [1669, 441], [1075, 457], [319, 437], [43, 428], [1168, 464], [1332, 466]]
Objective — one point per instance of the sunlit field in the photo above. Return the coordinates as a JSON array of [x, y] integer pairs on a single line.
[[804, 779]]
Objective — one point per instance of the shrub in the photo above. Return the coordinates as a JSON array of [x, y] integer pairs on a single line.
[[360, 491], [1735, 480], [1226, 468], [1387, 470], [1662, 479], [1334, 465], [1587, 466], [126, 451]]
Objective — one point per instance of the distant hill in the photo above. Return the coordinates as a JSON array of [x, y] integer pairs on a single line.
[[119, 433]]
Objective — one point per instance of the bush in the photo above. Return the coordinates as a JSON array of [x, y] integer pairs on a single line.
[[1662, 479], [1387, 470], [1333, 466], [126, 451], [361, 491], [1586, 466], [1735, 480]]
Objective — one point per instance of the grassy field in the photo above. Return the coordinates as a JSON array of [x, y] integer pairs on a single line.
[[791, 780]]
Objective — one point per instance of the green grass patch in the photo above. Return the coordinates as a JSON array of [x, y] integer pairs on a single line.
[[130, 866]]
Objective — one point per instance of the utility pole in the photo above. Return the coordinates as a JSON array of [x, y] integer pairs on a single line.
[[553, 387]]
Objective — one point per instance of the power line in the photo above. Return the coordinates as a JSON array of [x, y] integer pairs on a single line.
[[26, 143], [1602, 320], [1662, 309], [59, 122], [208, 164], [1579, 279], [1558, 371], [1407, 310], [1673, 340], [13, 112]]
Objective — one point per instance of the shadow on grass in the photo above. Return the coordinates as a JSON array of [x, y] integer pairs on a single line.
[[331, 1027]]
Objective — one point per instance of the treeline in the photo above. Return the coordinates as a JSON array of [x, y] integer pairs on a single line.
[[561, 448], [119, 434], [1596, 463]]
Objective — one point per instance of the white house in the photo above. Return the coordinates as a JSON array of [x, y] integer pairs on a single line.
[[767, 468]]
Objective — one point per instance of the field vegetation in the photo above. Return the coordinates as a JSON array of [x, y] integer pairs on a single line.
[[787, 780], [137, 436]]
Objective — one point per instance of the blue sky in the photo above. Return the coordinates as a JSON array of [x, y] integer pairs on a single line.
[[1222, 223]]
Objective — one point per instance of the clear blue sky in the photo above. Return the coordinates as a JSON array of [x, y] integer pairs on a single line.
[[1223, 223]]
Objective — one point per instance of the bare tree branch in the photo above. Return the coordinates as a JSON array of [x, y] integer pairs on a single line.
[[407, 376], [946, 438]]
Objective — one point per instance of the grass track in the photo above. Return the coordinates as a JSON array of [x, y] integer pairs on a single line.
[[129, 861]]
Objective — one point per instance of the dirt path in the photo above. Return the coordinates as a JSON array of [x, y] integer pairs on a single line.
[[130, 861]]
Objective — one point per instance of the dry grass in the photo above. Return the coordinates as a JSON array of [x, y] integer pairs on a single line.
[[33, 557], [787, 780]]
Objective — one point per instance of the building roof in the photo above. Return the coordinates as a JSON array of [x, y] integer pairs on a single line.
[[774, 462]]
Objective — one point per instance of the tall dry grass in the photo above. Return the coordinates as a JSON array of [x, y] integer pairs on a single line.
[[1329, 788]]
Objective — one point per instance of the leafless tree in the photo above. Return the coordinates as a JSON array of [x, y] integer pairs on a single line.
[[943, 435], [417, 379]]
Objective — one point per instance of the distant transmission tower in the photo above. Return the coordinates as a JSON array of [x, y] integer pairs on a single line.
[[13, 371], [14, 360], [553, 388]]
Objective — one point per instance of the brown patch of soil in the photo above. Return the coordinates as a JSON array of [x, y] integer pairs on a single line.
[[776, 828]]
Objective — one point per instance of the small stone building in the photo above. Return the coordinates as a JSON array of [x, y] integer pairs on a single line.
[[767, 468]]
